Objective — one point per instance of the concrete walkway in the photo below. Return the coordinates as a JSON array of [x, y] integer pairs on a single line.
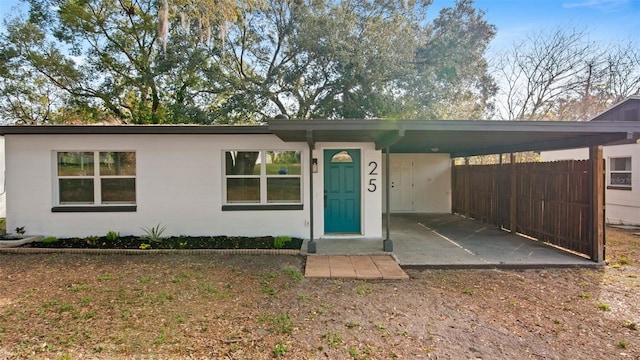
[[354, 267], [451, 241]]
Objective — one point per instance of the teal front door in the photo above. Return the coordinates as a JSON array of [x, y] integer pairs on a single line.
[[342, 191]]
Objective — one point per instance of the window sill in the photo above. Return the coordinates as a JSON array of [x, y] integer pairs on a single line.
[[122, 208], [258, 207], [619, 188]]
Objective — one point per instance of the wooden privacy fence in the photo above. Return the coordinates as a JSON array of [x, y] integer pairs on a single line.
[[551, 202]]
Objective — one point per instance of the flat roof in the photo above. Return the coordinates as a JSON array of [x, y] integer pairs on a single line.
[[132, 129], [455, 137], [460, 137]]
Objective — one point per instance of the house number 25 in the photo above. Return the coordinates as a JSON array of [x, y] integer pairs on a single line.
[[373, 167]]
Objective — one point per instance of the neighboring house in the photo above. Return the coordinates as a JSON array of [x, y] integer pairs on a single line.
[[3, 197], [622, 166], [316, 179]]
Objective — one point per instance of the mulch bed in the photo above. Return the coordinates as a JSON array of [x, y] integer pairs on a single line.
[[175, 242]]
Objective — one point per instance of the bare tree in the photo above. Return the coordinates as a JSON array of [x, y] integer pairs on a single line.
[[564, 76], [539, 70]]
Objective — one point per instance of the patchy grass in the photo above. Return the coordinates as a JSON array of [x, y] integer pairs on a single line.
[[257, 307], [623, 247]]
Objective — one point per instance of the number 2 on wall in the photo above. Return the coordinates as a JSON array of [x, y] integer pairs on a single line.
[[373, 166]]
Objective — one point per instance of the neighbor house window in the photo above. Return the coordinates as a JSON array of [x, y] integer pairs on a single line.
[[620, 173], [96, 178], [263, 177]]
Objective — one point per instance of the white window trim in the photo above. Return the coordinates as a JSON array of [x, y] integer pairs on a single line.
[[611, 171], [263, 179], [97, 194]]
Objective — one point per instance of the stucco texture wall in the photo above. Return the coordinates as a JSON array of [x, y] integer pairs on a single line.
[[178, 185]]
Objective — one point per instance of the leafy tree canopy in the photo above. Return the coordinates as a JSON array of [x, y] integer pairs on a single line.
[[242, 61]]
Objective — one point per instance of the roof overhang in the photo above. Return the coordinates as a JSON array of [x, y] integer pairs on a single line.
[[455, 137], [459, 137], [132, 129]]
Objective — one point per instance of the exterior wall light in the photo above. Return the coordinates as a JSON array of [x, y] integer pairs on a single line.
[[314, 165]]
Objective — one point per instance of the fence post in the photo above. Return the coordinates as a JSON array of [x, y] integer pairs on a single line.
[[513, 190], [597, 203]]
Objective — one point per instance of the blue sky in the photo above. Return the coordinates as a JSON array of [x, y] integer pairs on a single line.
[[605, 20]]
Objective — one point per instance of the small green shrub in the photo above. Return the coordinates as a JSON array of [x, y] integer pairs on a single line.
[[50, 240], [281, 324], [604, 307], [154, 234], [468, 291], [280, 349], [352, 324], [294, 274], [91, 240], [113, 236], [333, 339], [280, 241], [364, 290]]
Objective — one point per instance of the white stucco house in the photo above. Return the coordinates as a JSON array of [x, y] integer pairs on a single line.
[[314, 179], [622, 165], [3, 196]]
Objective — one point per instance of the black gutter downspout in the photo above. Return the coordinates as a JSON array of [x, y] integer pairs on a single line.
[[311, 246], [387, 244]]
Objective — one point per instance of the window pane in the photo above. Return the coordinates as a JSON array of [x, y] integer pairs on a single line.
[[621, 164], [242, 162], [76, 191], [342, 156], [284, 189], [75, 164], [117, 163], [243, 190], [283, 162], [621, 179], [121, 191]]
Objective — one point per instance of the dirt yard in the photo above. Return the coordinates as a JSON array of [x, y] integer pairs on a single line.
[[260, 307]]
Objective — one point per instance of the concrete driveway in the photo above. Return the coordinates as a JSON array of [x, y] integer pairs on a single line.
[[451, 241]]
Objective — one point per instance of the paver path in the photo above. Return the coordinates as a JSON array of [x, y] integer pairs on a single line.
[[366, 267]]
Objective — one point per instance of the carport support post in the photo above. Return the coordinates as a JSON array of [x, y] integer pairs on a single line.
[[597, 203], [311, 246], [387, 244], [513, 189]]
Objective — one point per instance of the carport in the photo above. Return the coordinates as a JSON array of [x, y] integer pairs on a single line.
[[462, 138], [453, 241]]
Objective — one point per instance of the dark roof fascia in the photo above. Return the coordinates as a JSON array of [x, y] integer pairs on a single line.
[[541, 135], [455, 125], [334, 125], [549, 145], [132, 129]]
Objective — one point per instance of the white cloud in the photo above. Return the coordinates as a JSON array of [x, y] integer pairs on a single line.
[[606, 5]]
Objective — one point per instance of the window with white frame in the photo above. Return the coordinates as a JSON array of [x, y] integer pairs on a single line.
[[620, 173], [263, 177], [96, 178]]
